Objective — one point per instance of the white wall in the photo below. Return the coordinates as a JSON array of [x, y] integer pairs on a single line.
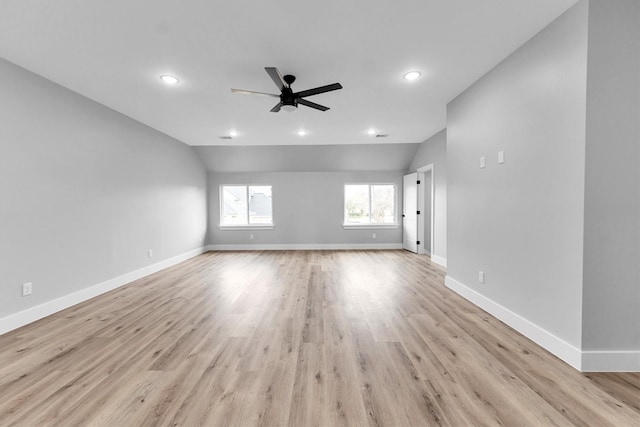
[[522, 222], [434, 150], [85, 193], [308, 209], [612, 198]]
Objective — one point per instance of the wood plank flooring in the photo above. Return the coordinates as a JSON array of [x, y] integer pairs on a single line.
[[305, 338]]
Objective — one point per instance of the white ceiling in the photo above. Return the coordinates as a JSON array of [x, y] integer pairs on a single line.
[[114, 52]]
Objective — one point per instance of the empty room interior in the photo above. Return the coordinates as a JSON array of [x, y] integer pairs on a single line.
[[363, 213]]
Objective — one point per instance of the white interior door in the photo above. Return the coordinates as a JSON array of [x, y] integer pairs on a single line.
[[409, 213]]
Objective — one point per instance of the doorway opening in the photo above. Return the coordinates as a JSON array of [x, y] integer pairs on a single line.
[[418, 201]]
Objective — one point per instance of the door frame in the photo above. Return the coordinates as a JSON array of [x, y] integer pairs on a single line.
[[421, 173]]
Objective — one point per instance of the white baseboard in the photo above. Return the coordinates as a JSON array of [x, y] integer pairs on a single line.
[[611, 361], [439, 260], [16, 320], [553, 344], [584, 361], [305, 247]]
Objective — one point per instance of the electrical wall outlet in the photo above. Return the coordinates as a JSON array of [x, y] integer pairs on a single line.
[[150, 253], [27, 288], [500, 157], [373, 236], [483, 162], [251, 236], [481, 276]]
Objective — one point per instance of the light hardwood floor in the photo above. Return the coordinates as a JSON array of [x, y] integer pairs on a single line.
[[306, 338]]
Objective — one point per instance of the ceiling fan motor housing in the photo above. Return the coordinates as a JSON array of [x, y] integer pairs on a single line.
[[287, 97]]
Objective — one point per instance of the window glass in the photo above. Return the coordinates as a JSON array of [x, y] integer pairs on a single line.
[[356, 204], [234, 204], [382, 204], [369, 204], [260, 204], [246, 205]]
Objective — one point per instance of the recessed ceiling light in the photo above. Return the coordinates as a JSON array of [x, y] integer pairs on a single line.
[[372, 131], [233, 133], [170, 80], [412, 75], [302, 132]]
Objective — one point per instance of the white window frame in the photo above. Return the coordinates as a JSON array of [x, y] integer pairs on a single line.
[[370, 226], [247, 226]]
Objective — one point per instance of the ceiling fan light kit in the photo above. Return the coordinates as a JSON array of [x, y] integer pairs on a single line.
[[289, 100]]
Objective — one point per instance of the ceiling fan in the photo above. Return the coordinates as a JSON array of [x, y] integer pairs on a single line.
[[289, 100]]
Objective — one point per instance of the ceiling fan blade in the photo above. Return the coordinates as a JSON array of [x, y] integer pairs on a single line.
[[276, 77], [250, 92], [312, 105], [276, 108], [317, 90]]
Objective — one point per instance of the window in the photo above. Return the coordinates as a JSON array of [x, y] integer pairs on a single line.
[[369, 204], [245, 205]]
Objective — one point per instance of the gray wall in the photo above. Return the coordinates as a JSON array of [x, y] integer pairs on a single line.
[[522, 222], [434, 150], [307, 209], [307, 158], [85, 192], [611, 310]]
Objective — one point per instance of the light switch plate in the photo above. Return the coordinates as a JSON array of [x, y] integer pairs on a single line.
[[500, 157]]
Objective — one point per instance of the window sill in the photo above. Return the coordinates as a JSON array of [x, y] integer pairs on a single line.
[[370, 226], [247, 227]]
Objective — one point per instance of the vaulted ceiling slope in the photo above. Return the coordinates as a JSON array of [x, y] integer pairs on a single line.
[[115, 51], [308, 158]]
